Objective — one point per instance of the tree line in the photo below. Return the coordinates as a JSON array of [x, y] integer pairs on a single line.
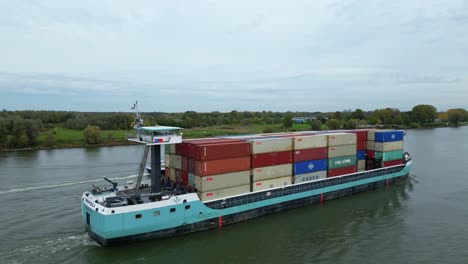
[[20, 129]]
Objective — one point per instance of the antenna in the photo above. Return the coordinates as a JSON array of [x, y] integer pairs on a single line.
[[137, 121]]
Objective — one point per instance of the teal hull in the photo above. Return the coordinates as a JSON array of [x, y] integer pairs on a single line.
[[185, 213]]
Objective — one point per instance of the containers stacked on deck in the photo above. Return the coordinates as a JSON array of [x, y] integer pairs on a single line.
[[341, 154], [310, 158], [361, 145], [271, 162], [216, 168], [389, 147]]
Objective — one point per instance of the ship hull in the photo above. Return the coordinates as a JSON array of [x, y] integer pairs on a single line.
[[241, 213]]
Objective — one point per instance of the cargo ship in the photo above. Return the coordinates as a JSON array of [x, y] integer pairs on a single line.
[[209, 183]]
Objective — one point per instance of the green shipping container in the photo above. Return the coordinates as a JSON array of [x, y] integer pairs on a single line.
[[389, 155], [340, 162]]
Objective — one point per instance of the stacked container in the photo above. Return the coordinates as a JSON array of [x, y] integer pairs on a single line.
[[370, 150], [271, 162], [341, 153], [361, 146], [389, 147], [310, 158]]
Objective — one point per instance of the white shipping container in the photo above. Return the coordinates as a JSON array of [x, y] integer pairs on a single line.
[[177, 161], [222, 181], [361, 165], [271, 183], [222, 193], [172, 148], [313, 176], [338, 139], [388, 146], [272, 172], [370, 145], [340, 151], [308, 142], [371, 134], [271, 145], [172, 175], [167, 160]]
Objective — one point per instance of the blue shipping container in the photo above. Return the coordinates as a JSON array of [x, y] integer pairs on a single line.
[[309, 166], [388, 135], [361, 154]]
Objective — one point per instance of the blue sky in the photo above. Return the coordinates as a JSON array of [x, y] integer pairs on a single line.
[[233, 55]]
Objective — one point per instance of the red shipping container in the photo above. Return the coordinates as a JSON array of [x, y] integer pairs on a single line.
[[178, 149], [167, 172], [191, 165], [221, 151], [392, 163], [370, 154], [190, 143], [212, 167], [184, 161], [184, 177], [310, 154], [341, 171], [271, 159], [361, 145], [361, 134]]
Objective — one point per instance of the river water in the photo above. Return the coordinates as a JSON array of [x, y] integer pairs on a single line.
[[422, 220]]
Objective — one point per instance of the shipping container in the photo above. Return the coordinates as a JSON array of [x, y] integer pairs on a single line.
[[191, 165], [310, 154], [212, 167], [370, 145], [361, 165], [388, 146], [309, 166], [184, 163], [308, 142], [178, 149], [191, 179], [188, 146], [361, 155], [272, 172], [177, 162], [271, 183], [221, 151], [338, 139], [313, 176], [271, 145], [271, 159], [339, 162], [392, 163], [370, 154], [222, 181], [340, 151], [389, 155], [388, 135], [371, 135], [341, 171], [172, 148], [361, 145], [222, 193], [172, 174], [361, 134], [184, 177], [167, 160]]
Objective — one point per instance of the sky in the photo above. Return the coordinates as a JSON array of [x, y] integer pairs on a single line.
[[176, 56]]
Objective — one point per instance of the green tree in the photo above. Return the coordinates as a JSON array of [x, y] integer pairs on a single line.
[[358, 114], [456, 115], [315, 124], [423, 114], [333, 124], [352, 123], [91, 134], [287, 120]]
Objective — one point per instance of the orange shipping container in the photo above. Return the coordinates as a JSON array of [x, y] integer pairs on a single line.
[[212, 167]]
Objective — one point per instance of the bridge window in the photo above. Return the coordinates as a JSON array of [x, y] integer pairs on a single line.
[[172, 210], [137, 216], [156, 213], [187, 207]]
